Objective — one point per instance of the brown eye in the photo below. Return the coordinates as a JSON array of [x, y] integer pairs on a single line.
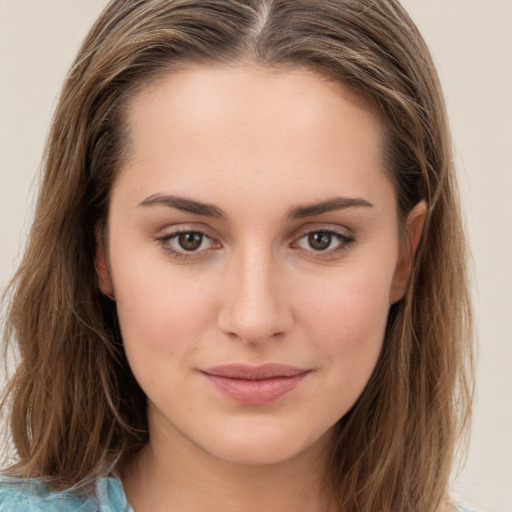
[[320, 240], [324, 243], [190, 241], [188, 244]]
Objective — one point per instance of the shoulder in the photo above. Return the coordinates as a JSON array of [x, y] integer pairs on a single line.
[[33, 495], [18, 494], [462, 508], [23, 495], [454, 507]]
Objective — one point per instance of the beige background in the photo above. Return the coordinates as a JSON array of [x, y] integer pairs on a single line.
[[472, 43]]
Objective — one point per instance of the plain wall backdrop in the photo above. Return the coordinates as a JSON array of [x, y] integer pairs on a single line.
[[471, 41]]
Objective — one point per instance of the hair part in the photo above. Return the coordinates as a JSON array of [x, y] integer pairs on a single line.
[[75, 409]]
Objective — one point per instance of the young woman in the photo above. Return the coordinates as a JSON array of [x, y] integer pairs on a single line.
[[245, 285]]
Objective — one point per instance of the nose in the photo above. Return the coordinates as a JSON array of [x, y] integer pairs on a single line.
[[255, 306]]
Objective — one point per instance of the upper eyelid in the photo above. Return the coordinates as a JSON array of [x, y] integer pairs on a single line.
[[301, 231], [329, 228], [176, 229]]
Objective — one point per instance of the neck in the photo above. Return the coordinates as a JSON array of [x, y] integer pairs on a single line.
[[181, 476]]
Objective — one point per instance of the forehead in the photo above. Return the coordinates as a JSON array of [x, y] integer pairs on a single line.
[[243, 95], [252, 128]]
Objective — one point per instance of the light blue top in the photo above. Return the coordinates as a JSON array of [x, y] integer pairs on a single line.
[[32, 495]]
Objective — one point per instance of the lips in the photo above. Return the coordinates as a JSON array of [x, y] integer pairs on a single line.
[[255, 385]]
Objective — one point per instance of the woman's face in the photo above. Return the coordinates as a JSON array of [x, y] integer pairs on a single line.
[[253, 252]]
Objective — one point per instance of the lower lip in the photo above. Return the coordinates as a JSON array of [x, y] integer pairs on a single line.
[[256, 392]]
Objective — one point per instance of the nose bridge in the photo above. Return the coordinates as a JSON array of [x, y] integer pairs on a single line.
[[254, 307]]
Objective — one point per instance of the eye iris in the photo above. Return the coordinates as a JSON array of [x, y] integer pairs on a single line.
[[320, 240], [190, 241]]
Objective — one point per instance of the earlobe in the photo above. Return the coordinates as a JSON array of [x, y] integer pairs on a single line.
[[415, 223], [102, 271]]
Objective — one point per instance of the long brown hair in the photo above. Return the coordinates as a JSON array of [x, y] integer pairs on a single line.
[[74, 406]]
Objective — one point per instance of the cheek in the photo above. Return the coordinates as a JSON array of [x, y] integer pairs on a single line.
[[355, 301], [163, 316], [346, 321]]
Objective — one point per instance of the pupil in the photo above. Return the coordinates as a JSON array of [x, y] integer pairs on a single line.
[[319, 240], [190, 241]]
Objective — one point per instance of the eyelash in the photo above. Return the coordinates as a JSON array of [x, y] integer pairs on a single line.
[[182, 254], [345, 242]]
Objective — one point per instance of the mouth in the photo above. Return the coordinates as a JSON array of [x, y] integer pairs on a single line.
[[255, 385]]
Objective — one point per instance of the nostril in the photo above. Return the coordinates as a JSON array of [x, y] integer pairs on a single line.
[[249, 340]]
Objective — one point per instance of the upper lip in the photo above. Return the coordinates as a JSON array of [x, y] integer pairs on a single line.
[[249, 372]]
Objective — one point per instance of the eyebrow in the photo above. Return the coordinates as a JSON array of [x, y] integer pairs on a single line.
[[185, 205], [209, 210], [330, 205]]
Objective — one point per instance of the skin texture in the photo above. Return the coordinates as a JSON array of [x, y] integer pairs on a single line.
[[257, 144]]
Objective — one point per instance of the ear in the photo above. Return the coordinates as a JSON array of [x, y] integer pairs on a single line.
[[101, 264], [414, 229]]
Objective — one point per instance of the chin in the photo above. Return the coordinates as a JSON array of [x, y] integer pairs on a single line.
[[264, 445]]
